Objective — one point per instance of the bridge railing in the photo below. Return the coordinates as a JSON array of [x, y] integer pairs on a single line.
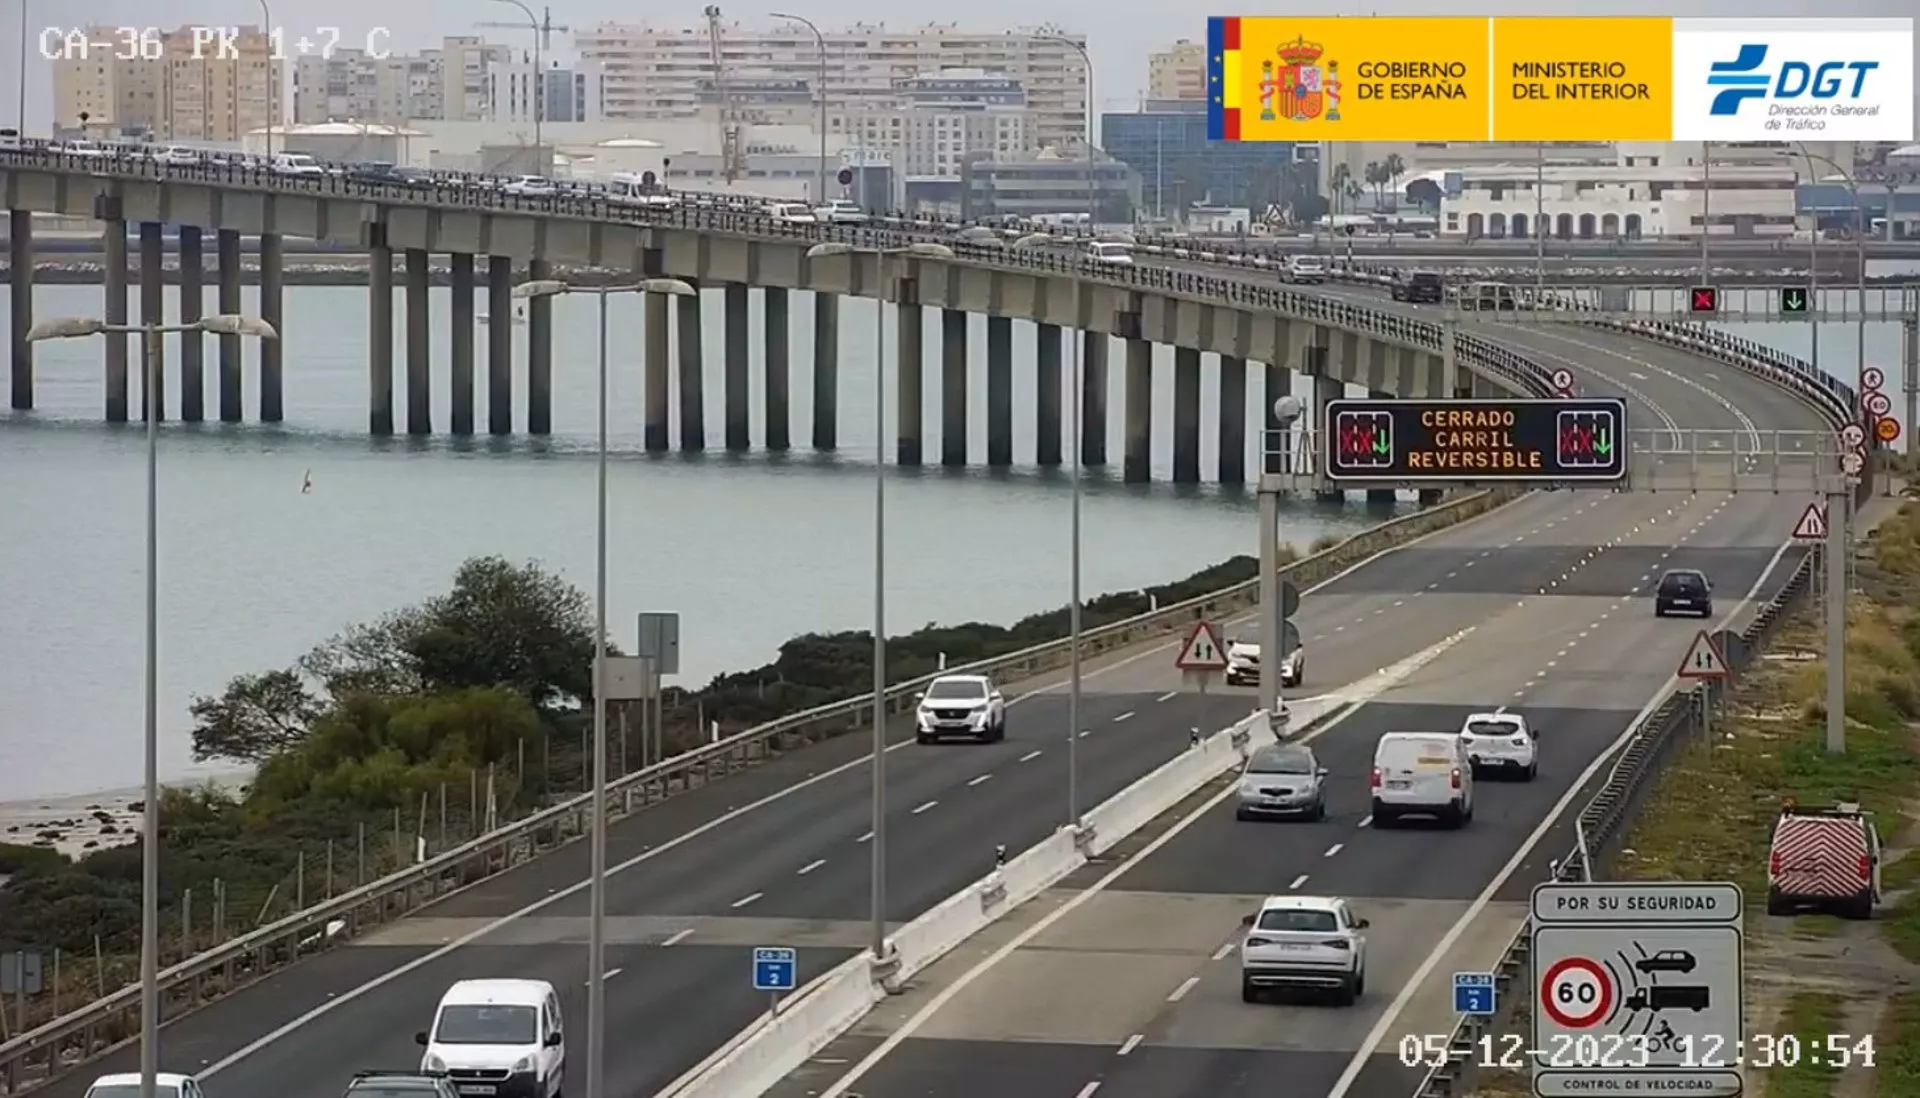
[[80, 1035]]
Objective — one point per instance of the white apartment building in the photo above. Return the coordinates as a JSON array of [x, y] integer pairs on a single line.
[[941, 120], [1178, 72], [449, 83], [181, 95], [664, 71], [575, 92]]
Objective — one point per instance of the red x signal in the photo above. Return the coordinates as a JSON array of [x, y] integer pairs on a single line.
[[1706, 299]]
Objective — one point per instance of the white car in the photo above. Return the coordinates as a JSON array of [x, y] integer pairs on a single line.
[[967, 706], [179, 156], [1305, 270], [1421, 774], [1304, 942], [841, 211], [1243, 664], [1501, 742], [531, 186], [82, 147], [1110, 251], [793, 213], [295, 164], [126, 1084]]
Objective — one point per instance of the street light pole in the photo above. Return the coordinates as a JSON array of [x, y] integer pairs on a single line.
[[539, 83], [820, 43], [1860, 267], [151, 341], [266, 16], [1539, 225]]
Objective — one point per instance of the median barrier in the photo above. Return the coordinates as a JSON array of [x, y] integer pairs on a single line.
[[43, 1053]]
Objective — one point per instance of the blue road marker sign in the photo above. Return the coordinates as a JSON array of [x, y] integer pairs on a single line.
[[775, 968], [1473, 993]]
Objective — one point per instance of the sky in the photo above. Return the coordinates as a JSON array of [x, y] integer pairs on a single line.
[[1120, 46]]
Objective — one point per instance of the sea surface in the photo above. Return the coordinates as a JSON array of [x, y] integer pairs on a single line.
[[750, 550]]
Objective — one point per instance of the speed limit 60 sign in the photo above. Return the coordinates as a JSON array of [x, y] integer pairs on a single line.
[[1577, 992]]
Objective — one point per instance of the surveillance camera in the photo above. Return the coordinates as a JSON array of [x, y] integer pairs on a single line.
[[1286, 410]]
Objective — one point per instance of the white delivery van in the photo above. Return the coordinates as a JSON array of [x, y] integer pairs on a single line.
[[498, 1039], [1421, 774]]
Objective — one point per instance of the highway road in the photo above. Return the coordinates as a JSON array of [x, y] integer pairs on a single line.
[[1123, 982]]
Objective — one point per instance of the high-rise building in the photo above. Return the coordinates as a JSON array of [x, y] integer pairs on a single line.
[[1166, 142], [575, 92], [1178, 72], [191, 90], [660, 72], [449, 83]]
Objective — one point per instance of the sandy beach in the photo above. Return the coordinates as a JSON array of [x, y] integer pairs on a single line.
[[78, 825]]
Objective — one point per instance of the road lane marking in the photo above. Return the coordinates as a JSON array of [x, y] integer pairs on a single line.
[[924, 807], [979, 780], [1365, 821], [1127, 716], [1087, 1091], [1028, 757], [1334, 849], [678, 937], [1168, 696], [745, 900], [1180, 992], [1297, 882], [1225, 951], [811, 866], [1132, 1043], [867, 838]]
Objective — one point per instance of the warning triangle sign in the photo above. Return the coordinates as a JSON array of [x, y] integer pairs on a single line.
[[1813, 523], [1204, 650], [1703, 660]]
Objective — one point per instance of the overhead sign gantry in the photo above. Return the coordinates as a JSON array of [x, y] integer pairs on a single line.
[[1414, 441]]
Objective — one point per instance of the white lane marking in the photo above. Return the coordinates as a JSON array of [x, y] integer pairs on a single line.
[[1297, 882], [1365, 821], [867, 838], [1132, 1043], [811, 866], [1223, 952], [979, 780], [1168, 696], [1180, 992], [745, 900], [1028, 757], [678, 937], [1087, 1091], [1419, 978], [1127, 716], [924, 807], [1334, 849], [609, 974]]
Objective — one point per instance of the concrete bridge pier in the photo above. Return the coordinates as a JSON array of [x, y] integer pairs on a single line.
[[153, 310], [953, 388], [114, 240], [273, 310], [1046, 376], [1137, 458], [655, 337], [1232, 464], [910, 342], [540, 353], [776, 332], [380, 338], [1093, 397], [826, 370], [1186, 415], [226, 299], [460, 342], [193, 346], [1000, 391], [693, 396], [20, 306], [739, 425], [499, 345], [1380, 495], [419, 366]]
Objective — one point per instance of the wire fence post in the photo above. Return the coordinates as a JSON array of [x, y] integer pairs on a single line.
[[186, 923], [300, 881], [360, 873], [329, 869]]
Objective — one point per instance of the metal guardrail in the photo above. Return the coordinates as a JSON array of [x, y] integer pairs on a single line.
[[80, 1035], [1603, 821]]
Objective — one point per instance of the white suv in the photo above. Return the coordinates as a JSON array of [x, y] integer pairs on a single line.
[[1310, 942], [1501, 742], [1305, 270], [961, 705]]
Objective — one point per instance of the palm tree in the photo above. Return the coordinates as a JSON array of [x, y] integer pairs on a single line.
[[1393, 168], [1339, 183], [1353, 192], [1375, 175]]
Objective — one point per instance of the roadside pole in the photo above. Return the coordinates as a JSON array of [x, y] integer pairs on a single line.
[[1838, 521], [1276, 475]]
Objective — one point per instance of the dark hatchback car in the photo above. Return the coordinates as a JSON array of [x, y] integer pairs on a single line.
[[1419, 286], [1683, 591]]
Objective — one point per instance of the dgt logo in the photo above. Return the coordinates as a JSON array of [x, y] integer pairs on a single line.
[[1745, 78], [1363, 439], [1588, 439]]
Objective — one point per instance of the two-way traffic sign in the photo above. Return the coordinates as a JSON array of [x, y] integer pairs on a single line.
[[1703, 660], [1204, 650], [1813, 523]]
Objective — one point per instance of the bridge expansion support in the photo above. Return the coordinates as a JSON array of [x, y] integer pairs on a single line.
[[114, 239], [460, 342], [380, 339], [1232, 467], [826, 370], [193, 346], [910, 341], [540, 354], [499, 345], [1186, 415], [776, 333], [1137, 459], [419, 347], [226, 299], [737, 356], [1000, 391], [953, 388], [1046, 404], [656, 337], [693, 396], [20, 306], [273, 310], [153, 310], [1093, 397]]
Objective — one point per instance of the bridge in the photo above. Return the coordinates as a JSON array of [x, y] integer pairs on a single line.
[[1530, 600]]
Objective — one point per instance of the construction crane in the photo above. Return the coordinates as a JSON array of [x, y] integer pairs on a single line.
[[545, 27], [731, 159]]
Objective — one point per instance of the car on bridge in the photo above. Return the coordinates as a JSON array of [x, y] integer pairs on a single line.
[[1418, 287], [968, 706], [1304, 270], [1306, 943]]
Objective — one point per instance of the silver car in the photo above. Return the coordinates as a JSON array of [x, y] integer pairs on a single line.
[[1283, 780]]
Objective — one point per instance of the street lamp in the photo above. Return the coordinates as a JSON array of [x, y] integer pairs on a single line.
[[1286, 412], [539, 83], [820, 42], [597, 885], [151, 336], [1093, 204], [925, 250], [1860, 259], [266, 16]]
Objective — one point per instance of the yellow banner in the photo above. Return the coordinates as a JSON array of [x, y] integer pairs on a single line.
[[1582, 80]]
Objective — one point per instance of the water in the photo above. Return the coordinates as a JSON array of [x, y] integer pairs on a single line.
[[750, 550]]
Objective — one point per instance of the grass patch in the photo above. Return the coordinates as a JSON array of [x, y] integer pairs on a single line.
[[1897, 1049], [1903, 873], [1810, 1016]]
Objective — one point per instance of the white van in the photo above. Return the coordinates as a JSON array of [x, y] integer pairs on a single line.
[[498, 1039], [1110, 251], [793, 213], [1421, 774], [295, 164], [637, 189]]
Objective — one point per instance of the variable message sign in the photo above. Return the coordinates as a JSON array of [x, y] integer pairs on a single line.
[[1412, 441]]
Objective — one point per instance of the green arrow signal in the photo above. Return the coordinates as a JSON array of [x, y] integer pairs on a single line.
[[1603, 441], [1380, 442], [1793, 301]]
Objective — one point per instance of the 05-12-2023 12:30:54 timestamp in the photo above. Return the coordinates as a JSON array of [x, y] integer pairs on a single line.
[[1513, 1052]]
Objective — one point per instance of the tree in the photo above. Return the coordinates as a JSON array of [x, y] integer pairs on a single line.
[[256, 716]]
